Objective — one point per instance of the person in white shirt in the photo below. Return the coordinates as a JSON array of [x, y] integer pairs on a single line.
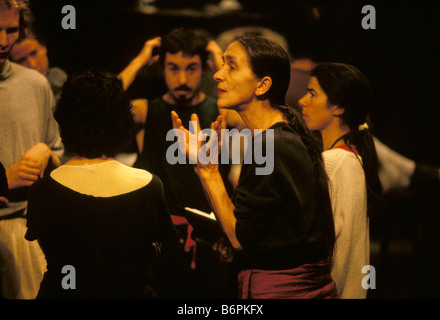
[[336, 104], [30, 145]]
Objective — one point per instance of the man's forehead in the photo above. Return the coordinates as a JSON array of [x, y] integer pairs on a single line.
[[235, 53], [9, 18], [181, 58]]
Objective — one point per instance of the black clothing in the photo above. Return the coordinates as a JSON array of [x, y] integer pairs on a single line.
[[278, 215], [181, 184], [183, 189], [110, 241]]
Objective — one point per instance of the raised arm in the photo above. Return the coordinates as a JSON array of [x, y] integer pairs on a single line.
[[211, 179], [140, 111], [145, 56], [217, 55]]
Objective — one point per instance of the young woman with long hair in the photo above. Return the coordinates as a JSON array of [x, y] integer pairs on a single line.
[[337, 102]]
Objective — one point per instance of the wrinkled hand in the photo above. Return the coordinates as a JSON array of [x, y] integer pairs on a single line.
[[224, 250], [191, 143], [31, 166]]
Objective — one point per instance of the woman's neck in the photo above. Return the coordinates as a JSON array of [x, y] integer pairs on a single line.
[[79, 161], [261, 116], [331, 134]]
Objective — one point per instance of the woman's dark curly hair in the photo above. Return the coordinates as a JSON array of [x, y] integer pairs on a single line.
[[94, 114]]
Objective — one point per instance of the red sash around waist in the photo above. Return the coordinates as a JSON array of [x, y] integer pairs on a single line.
[[308, 281]]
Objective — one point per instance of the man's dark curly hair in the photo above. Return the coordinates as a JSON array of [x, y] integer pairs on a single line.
[[94, 115], [191, 42]]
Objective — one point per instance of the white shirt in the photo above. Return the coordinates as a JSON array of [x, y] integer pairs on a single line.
[[105, 179], [348, 196]]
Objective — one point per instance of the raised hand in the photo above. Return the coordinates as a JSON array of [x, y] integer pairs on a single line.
[[217, 55], [129, 73], [147, 51], [188, 142], [192, 143], [209, 175]]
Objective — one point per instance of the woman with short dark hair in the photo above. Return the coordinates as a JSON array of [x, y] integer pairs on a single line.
[[106, 220]]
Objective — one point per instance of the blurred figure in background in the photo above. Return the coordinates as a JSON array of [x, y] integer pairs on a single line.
[[337, 102], [29, 146], [30, 53]]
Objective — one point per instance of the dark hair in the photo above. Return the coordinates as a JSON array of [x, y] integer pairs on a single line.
[[268, 58], [94, 114], [349, 89], [26, 17], [191, 42]]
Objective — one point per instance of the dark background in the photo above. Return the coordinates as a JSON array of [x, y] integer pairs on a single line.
[[399, 57]]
